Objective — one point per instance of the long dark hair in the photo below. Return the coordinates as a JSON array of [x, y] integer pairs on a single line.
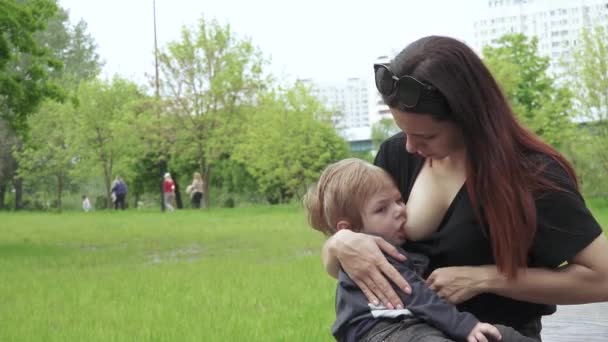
[[504, 173]]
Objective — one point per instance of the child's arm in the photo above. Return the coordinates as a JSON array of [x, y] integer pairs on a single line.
[[427, 305]]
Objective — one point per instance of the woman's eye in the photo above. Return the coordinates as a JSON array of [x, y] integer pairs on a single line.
[[381, 209]]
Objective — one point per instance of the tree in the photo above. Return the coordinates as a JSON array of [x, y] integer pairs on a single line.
[[104, 129], [289, 142], [590, 84], [48, 153], [24, 64], [8, 164], [50, 150], [540, 104], [75, 50], [207, 77], [382, 130], [73, 47]]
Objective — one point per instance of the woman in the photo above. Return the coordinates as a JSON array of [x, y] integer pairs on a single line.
[[496, 210], [196, 190]]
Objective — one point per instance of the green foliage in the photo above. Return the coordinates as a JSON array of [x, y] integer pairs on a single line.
[[24, 64], [583, 154], [540, 104], [50, 151], [74, 47], [7, 161], [287, 143], [105, 126], [206, 78], [382, 130], [71, 53], [590, 83]]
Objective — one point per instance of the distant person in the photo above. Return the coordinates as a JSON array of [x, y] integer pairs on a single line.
[[355, 195], [119, 189], [169, 191], [86, 204], [196, 190]]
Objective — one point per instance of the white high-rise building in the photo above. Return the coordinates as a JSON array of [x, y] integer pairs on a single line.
[[349, 101], [558, 24], [378, 109]]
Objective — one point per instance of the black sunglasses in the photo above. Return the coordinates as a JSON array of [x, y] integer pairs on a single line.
[[408, 89]]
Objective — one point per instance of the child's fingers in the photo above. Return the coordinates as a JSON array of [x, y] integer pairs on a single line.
[[489, 329]]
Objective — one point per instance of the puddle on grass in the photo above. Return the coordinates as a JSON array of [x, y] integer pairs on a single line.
[[188, 254], [305, 253]]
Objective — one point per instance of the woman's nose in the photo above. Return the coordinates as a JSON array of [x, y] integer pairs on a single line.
[[411, 145]]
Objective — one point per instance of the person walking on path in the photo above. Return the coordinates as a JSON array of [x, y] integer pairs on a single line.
[[169, 191], [119, 189], [196, 190]]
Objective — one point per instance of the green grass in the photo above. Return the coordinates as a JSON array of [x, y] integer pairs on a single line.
[[247, 274]]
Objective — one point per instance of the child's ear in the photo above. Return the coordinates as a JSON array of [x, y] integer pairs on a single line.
[[342, 224]]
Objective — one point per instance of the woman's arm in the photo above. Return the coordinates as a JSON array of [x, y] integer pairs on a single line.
[[360, 255], [583, 280]]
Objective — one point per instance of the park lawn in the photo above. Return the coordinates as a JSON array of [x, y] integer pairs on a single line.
[[247, 274], [250, 274]]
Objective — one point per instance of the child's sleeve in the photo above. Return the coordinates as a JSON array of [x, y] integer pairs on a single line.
[[425, 304]]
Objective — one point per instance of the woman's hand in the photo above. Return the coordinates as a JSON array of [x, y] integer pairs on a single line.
[[458, 284], [361, 257]]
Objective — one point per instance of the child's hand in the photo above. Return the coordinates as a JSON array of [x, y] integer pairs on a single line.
[[481, 330]]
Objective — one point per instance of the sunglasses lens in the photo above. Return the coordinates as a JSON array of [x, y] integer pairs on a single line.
[[384, 81], [409, 92]]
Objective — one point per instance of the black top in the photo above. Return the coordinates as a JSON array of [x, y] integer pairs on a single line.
[[565, 226], [354, 317]]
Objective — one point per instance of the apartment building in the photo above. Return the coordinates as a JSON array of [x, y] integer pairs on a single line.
[[349, 102], [557, 24]]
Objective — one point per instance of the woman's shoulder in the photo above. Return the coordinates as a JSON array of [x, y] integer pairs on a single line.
[[550, 168]]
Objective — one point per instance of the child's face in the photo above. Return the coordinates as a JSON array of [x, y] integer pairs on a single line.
[[384, 215]]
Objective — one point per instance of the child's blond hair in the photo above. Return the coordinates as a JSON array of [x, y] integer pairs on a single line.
[[341, 192]]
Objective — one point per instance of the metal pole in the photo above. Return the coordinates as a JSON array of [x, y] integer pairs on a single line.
[[161, 160]]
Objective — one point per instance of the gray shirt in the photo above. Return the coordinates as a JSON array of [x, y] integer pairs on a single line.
[[352, 308]]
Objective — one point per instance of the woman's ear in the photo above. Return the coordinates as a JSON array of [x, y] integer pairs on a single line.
[[342, 224]]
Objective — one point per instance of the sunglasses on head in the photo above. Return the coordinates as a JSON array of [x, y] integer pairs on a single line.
[[408, 89]]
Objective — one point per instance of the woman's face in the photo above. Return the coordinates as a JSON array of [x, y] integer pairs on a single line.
[[428, 137]]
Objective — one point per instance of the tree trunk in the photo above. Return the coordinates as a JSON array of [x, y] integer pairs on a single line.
[[59, 190], [108, 181], [18, 184], [206, 176], [2, 196], [178, 194], [162, 167]]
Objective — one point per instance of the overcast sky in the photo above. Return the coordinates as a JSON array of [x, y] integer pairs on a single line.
[[327, 40]]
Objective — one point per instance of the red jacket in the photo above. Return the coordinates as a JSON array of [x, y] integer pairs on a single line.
[[168, 185]]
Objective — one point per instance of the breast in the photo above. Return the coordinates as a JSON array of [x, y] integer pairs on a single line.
[[428, 203], [423, 217]]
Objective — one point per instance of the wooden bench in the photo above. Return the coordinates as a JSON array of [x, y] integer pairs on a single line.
[[571, 323]]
